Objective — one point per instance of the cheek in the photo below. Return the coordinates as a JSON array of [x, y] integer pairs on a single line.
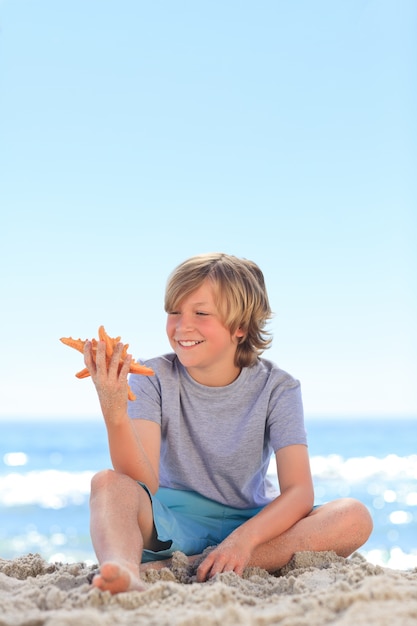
[[169, 327]]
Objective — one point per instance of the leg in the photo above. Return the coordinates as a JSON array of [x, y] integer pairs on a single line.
[[121, 524], [342, 526]]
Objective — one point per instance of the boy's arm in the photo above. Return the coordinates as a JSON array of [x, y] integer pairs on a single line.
[[295, 502], [134, 444], [134, 447]]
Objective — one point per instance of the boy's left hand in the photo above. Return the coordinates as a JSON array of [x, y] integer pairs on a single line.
[[231, 555]]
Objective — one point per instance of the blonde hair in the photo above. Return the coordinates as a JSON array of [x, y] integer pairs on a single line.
[[240, 296]]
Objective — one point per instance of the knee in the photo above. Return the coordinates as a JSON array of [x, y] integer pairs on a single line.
[[113, 484], [357, 517], [108, 479], [102, 479]]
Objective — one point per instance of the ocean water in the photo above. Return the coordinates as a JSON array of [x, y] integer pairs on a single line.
[[46, 468]]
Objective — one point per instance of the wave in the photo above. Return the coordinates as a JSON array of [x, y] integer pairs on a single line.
[[49, 489], [359, 469], [52, 488]]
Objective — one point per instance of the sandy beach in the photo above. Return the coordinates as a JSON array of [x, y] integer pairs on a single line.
[[313, 589]]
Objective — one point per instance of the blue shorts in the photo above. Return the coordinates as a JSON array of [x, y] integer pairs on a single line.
[[190, 522]]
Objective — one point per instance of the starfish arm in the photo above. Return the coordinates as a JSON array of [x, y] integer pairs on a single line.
[[137, 368], [77, 344], [83, 374], [109, 341]]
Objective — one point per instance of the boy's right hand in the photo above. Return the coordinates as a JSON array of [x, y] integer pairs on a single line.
[[110, 382]]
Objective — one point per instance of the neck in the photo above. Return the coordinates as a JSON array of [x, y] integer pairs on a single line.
[[215, 378]]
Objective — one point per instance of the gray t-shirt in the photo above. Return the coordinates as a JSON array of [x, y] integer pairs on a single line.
[[218, 440]]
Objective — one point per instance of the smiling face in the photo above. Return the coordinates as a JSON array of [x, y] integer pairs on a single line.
[[199, 338]]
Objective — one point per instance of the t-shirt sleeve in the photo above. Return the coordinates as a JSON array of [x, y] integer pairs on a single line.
[[148, 398], [286, 416]]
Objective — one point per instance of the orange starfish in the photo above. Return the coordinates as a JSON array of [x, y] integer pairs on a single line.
[[135, 368]]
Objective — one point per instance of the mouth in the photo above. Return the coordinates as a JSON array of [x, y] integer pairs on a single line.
[[189, 343]]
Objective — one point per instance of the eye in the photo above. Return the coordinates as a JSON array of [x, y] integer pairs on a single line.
[[201, 313]]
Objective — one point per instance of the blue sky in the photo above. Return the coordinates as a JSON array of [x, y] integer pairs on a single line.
[[135, 134]]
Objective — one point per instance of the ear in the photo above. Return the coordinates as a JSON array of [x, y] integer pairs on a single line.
[[240, 333]]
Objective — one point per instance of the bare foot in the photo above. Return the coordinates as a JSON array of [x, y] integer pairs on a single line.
[[117, 577]]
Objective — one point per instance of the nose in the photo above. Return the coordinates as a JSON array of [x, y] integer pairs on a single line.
[[184, 321]]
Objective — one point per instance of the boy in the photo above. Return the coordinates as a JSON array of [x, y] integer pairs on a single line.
[[191, 453]]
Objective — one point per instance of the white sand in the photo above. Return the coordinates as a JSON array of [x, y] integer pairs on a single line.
[[314, 589]]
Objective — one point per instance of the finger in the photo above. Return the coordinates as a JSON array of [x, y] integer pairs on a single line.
[[203, 570], [101, 364], [88, 357], [114, 361], [124, 365], [213, 564], [218, 568], [120, 367], [239, 569]]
